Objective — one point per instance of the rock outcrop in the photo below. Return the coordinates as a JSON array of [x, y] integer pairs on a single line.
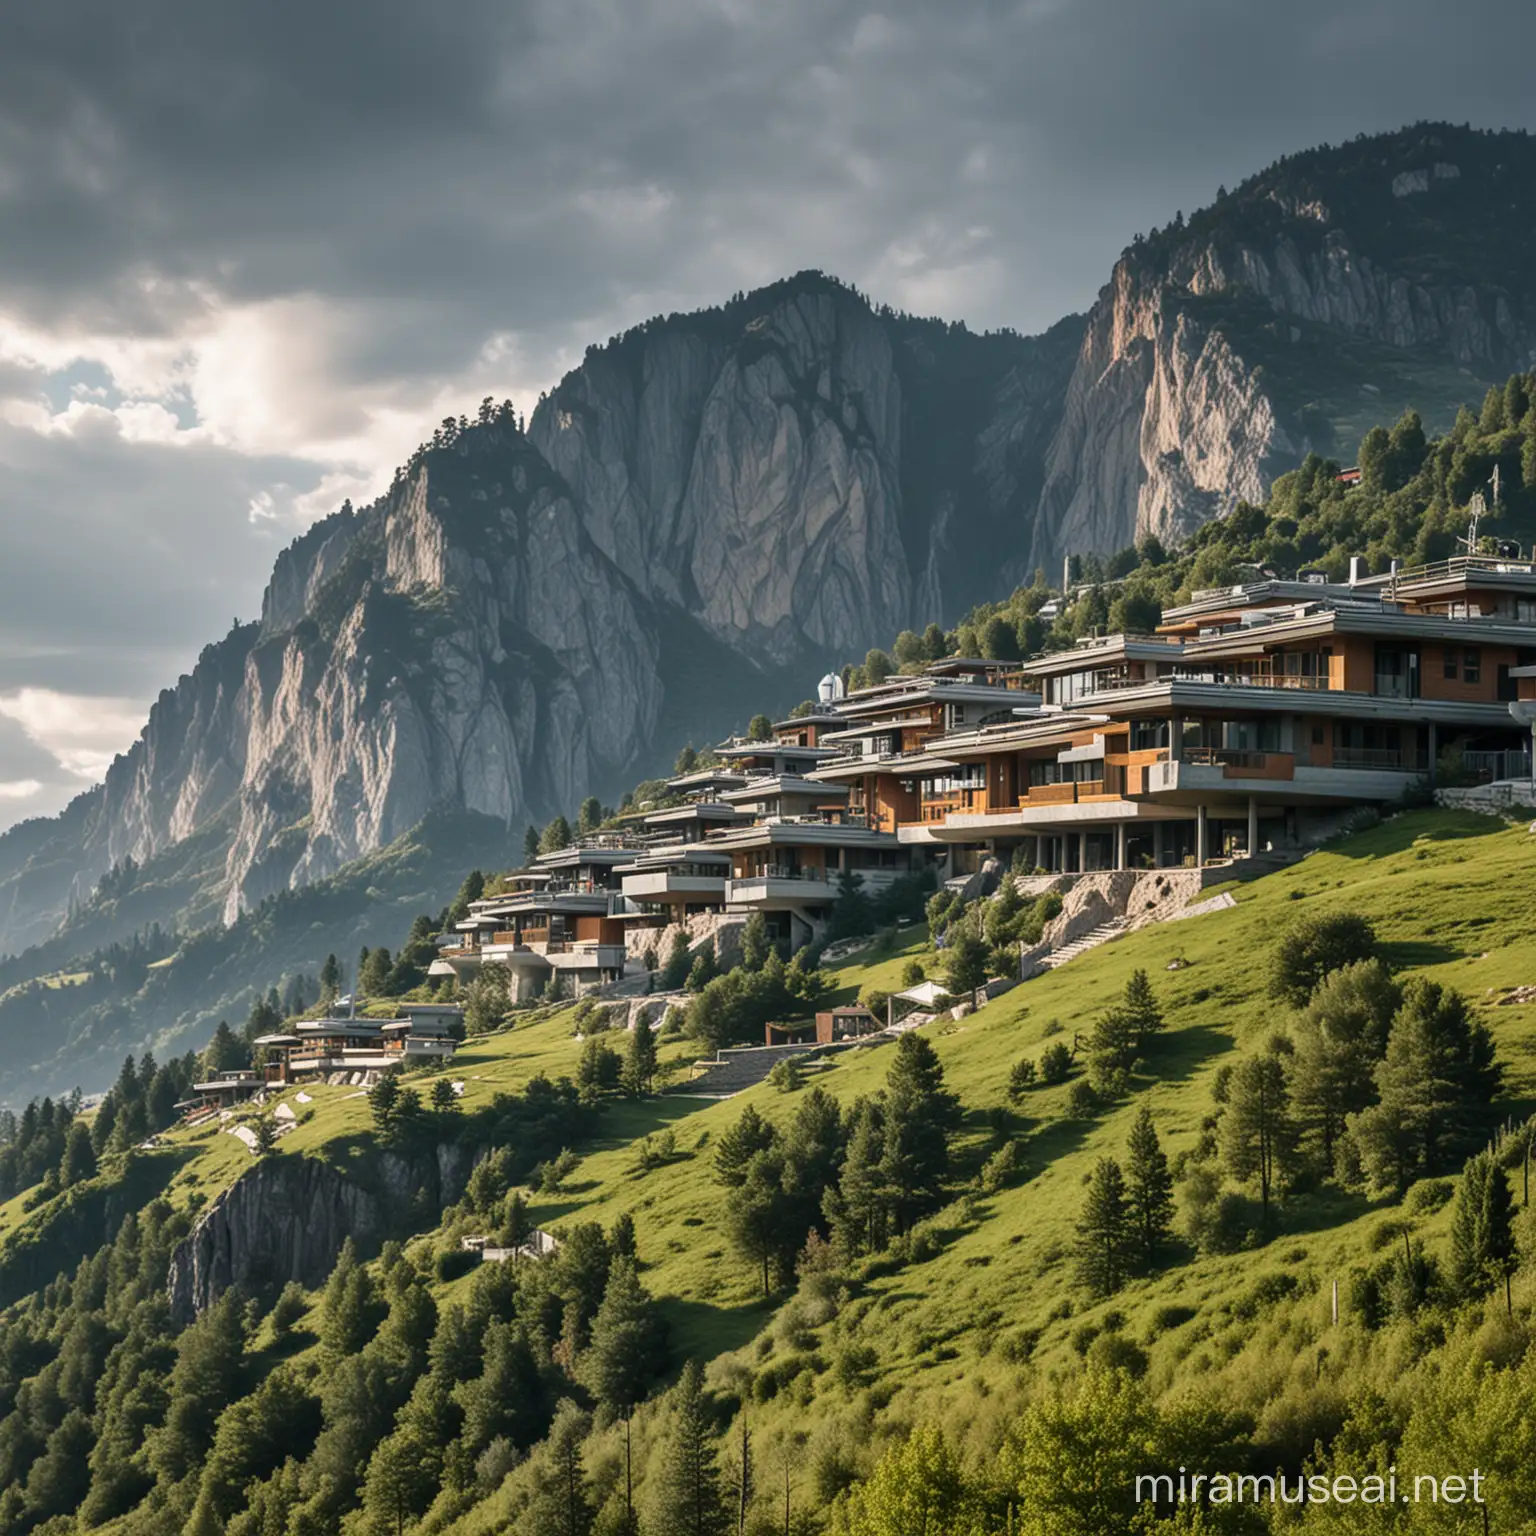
[[287, 1218]]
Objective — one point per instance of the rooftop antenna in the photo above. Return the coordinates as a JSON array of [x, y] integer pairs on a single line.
[[1478, 509], [1066, 576]]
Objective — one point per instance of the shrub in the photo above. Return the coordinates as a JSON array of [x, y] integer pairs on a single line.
[[289, 1307], [912, 973], [1166, 1318], [1082, 1101], [1429, 1195], [1115, 1352], [1021, 1079], [1055, 1064], [1004, 1168], [787, 1075]]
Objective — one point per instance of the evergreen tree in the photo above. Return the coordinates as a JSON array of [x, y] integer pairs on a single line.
[[739, 1144], [1149, 1190], [556, 835], [1482, 1228], [1141, 1006], [1105, 1234], [330, 979], [1257, 1136], [530, 846], [919, 1115], [675, 972], [488, 1000], [373, 973], [1339, 1039], [1312, 947], [859, 1209], [965, 965], [640, 1059], [224, 1053], [759, 1215], [759, 728], [79, 1162], [589, 817], [562, 1502], [687, 1500], [1111, 1048], [384, 1101], [350, 1310], [755, 942], [626, 1340]]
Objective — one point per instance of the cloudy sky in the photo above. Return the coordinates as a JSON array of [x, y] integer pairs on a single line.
[[250, 253]]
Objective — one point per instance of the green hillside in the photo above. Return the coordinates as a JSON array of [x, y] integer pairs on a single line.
[[966, 1324]]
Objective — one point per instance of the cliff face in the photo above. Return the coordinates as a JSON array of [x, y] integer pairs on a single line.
[[287, 1218], [738, 497], [1328, 293]]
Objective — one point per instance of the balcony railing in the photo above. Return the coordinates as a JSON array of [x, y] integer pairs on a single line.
[[1317, 682], [1068, 793], [1383, 759]]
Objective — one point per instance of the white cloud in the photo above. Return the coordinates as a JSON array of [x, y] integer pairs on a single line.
[[19, 789], [82, 733]]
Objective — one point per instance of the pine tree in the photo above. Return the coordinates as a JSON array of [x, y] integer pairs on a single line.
[[1339, 1039], [589, 816], [755, 942], [626, 1340], [965, 966], [1257, 1137], [1141, 1006], [556, 835], [79, 1162], [530, 846], [1104, 1231], [640, 1059], [330, 979], [1482, 1228], [1111, 1047], [1149, 1190], [562, 1505], [688, 1499]]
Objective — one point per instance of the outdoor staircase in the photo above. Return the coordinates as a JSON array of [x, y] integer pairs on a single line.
[[738, 1068], [1082, 943]]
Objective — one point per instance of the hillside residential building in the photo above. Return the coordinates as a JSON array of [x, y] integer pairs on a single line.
[[1254, 714], [316, 1048]]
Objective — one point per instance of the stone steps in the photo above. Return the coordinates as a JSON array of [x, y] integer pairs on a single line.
[[1083, 943]]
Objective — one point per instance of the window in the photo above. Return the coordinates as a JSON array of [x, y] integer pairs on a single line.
[[1148, 735], [1450, 669], [1317, 735], [1505, 688], [1472, 665]]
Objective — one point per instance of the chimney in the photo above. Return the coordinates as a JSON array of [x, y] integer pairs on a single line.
[[1356, 570]]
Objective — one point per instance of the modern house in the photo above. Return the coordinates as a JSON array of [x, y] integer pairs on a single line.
[[560, 923], [429, 1034], [1254, 712]]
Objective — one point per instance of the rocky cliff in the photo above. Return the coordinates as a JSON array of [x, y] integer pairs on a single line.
[[701, 518], [1330, 292], [287, 1218]]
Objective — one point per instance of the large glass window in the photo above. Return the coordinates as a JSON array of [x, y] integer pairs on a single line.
[[1148, 735], [1397, 672], [1472, 665]]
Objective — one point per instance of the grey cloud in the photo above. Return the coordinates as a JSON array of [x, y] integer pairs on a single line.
[[557, 169]]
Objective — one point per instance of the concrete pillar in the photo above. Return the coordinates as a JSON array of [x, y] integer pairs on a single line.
[[1157, 844], [1253, 825], [1120, 845], [1434, 750], [1082, 853], [1201, 837]]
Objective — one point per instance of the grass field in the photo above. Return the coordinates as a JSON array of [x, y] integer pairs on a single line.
[[1451, 896]]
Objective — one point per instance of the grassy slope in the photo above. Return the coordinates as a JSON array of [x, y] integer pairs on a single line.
[[1449, 893]]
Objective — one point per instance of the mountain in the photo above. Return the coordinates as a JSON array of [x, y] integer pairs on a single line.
[[1336, 289], [715, 506], [712, 507]]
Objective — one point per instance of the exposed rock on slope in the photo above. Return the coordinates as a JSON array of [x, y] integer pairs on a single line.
[[287, 1218]]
